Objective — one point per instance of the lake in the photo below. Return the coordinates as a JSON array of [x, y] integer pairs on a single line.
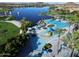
[[32, 13]]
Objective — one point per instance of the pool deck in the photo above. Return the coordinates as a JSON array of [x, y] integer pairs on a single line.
[[65, 52]]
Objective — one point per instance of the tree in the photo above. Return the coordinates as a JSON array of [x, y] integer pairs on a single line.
[[72, 41], [59, 31], [25, 24], [73, 20]]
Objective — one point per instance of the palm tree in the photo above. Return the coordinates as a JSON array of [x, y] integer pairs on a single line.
[[72, 40], [74, 20], [59, 31], [25, 24]]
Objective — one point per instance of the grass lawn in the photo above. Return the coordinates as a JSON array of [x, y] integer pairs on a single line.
[[7, 31], [9, 18], [3, 17]]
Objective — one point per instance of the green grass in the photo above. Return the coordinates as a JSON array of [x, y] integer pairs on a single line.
[[7, 31], [3, 17], [52, 13], [4, 9]]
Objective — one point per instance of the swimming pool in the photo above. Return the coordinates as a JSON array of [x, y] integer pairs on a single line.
[[43, 40], [58, 24], [36, 43]]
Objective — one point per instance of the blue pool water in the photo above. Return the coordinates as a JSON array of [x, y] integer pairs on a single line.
[[31, 13], [57, 24]]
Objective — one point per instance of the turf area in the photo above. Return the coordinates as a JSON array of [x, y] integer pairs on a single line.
[[7, 31]]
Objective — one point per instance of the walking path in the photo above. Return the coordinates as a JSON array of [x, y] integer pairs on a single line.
[[17, 23]]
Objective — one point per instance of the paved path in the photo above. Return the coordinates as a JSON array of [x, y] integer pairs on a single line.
[[17, 23]]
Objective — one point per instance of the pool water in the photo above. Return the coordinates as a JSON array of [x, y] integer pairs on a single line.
[[58, 24]]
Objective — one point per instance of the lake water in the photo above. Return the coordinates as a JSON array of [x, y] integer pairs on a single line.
[[32, 13]]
